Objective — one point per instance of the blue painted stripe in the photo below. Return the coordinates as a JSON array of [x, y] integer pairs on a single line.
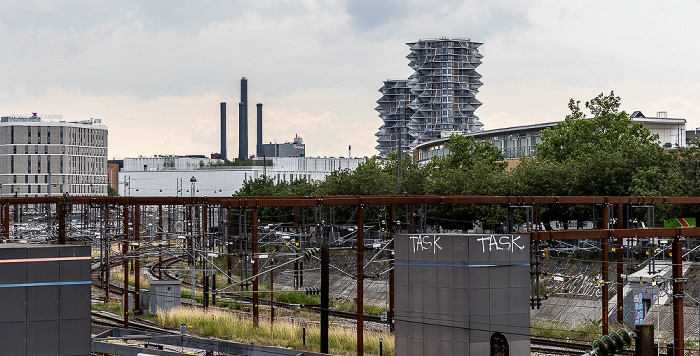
[[466, 266], [44, 284]]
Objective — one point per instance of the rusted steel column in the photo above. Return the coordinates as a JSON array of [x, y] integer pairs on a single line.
[[272, 293], [125, 253], [137, 259], [392, 235], [325, 296], [360, 278], [160, 242], [6, 222], [619, 265], [61, 212], [644, 340], [108, 247], [229, 242], [678, 294], [605, 246], [203, 242], [256, 298]]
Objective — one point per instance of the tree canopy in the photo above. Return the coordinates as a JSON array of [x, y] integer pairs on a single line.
[[601, 153]]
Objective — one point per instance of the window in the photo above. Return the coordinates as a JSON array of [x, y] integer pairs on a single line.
[[29, 135], [12, 134]]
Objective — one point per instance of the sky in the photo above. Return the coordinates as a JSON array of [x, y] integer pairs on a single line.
[[155, 71]]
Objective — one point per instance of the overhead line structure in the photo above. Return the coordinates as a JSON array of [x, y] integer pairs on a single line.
[[197, 218]]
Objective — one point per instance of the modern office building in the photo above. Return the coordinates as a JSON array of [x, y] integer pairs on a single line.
[[395, 113], [521, 141], [444, 85], [43, 158]]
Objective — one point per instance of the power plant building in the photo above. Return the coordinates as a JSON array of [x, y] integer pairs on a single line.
[[44, 158], [297, 148]]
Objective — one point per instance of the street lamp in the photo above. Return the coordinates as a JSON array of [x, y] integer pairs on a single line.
[[193, 181]]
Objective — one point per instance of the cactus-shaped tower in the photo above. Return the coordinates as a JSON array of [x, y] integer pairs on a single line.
[[395, 113], [444, 84]]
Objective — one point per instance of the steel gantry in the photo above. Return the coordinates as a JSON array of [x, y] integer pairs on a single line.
[[188, 222]]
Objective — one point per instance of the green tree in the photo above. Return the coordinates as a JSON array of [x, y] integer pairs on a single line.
[[681, 179], [466, 152], [112, 192], [606, 154]]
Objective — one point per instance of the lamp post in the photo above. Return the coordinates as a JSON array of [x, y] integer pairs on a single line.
[[193, 181], [127, 185]]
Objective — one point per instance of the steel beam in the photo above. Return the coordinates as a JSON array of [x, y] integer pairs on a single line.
[[125, 254], [137, 259], [256, 298], [605, 247], [678, 294], [360, 278], [325, 284]]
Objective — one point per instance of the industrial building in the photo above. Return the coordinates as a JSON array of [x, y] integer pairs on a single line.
[[43, 158], [521, 141], [188, 176], [444, 87], [296, 148]]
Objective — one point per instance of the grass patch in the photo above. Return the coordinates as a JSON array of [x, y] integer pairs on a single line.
[[587, 330], [225, 325], [112, 307], [297, 298]]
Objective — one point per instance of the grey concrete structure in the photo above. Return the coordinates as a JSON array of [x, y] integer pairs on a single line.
[[462, 294], [45, 294], [395, 113], [40, 158], [164, 295]]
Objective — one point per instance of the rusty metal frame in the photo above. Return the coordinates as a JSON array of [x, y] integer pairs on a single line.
[[64, 203]]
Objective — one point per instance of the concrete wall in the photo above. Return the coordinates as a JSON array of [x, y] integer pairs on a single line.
[[45, 299], [454, 292]]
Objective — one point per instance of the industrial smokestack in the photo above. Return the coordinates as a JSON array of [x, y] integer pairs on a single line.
[[258, 148], [243, 122], [223, 132], [242, 133]]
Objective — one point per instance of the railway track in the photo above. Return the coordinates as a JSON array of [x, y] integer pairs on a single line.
[[553, 347]]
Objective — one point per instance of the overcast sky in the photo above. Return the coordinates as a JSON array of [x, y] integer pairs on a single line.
[[156, 71]]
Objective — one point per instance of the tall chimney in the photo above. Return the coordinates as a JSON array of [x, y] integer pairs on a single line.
[[242, 134], [258, 148], [223, 132], [243, 122]]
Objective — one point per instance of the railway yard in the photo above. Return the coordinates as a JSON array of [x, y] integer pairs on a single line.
[[298, 261]]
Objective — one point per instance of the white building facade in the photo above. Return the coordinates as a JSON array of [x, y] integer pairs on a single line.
[[187, 176], [45, 158]]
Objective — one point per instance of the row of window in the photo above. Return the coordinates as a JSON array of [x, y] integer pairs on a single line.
[[92, 137]]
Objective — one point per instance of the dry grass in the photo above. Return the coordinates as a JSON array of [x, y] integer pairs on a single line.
[[116, 274], [226, 325]]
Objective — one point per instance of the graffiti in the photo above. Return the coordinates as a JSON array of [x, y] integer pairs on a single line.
[[427, 242], [638, 309], [505, 242]]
